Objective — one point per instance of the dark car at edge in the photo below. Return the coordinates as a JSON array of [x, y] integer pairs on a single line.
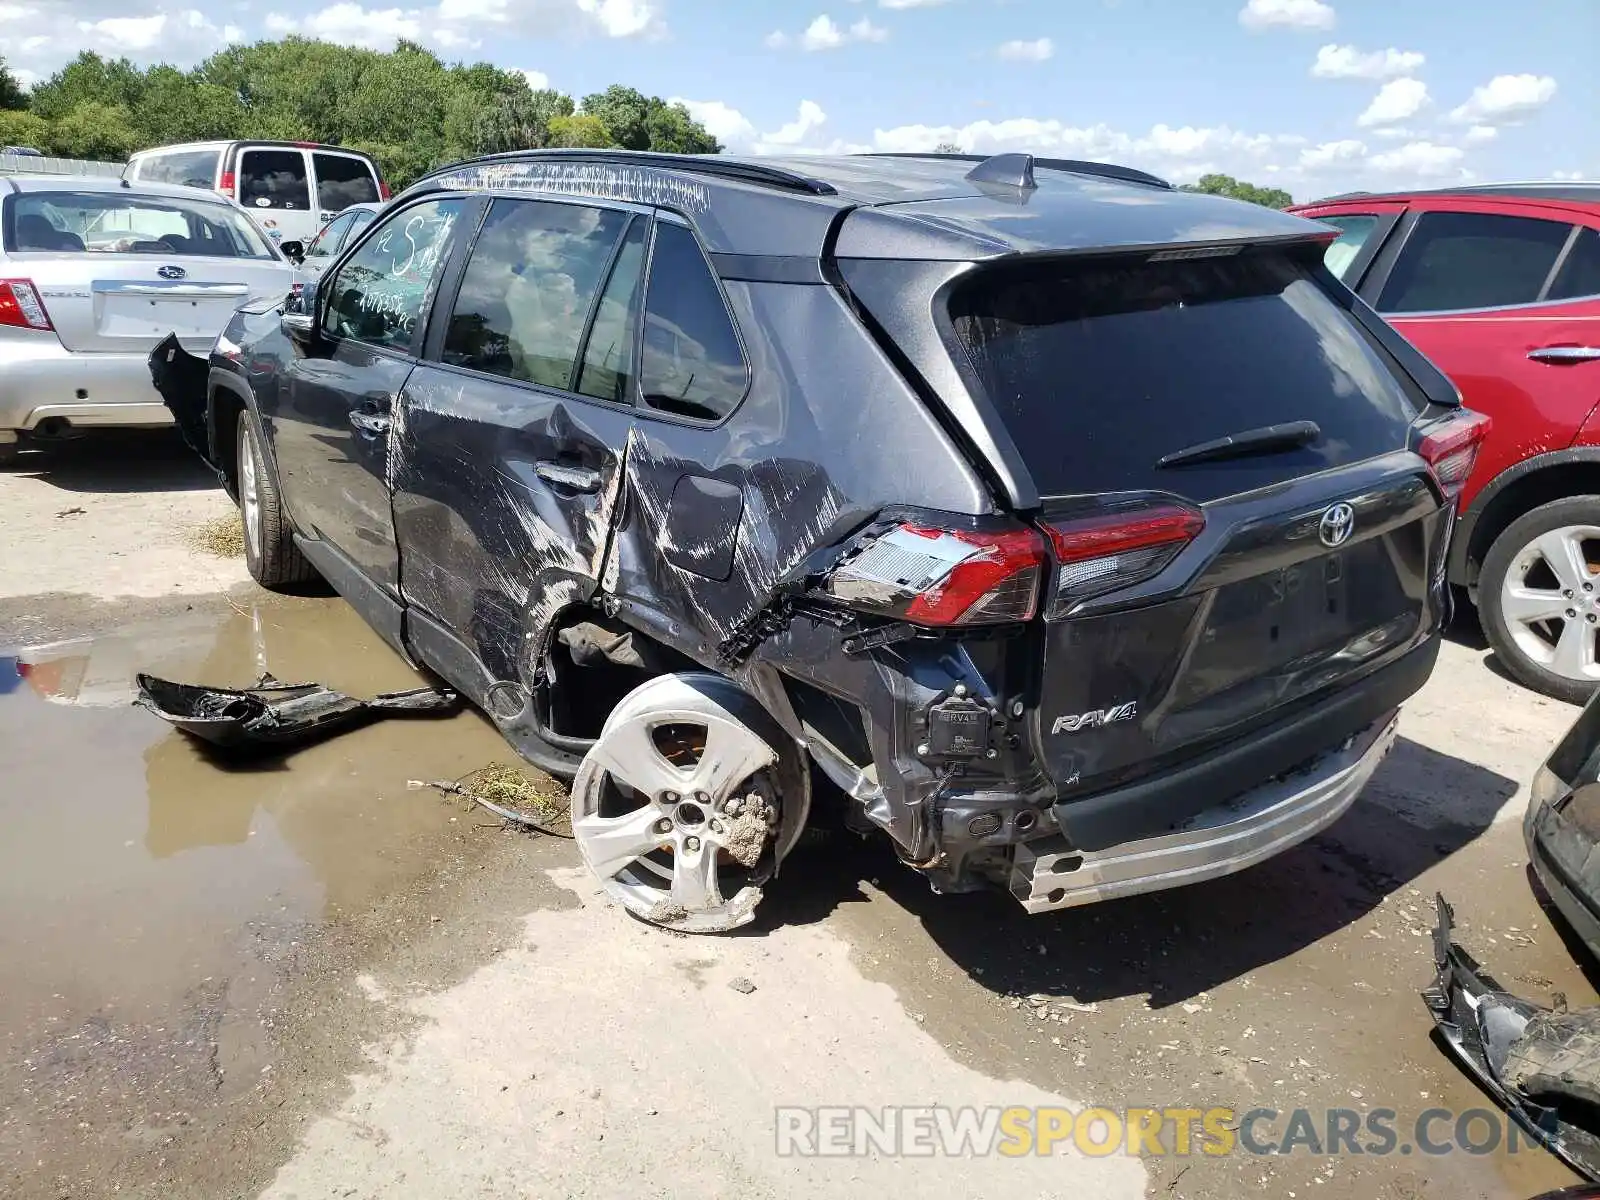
[[1080, 535]]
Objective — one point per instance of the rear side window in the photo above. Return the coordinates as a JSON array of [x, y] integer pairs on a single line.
[[343, 180], [188, 168], [1472, 260], [1580, 274], [377, 295], [692, 363], [1353, 234], [525, 297], [273, 179], [607, 371], [1101, 371], [328, 241]]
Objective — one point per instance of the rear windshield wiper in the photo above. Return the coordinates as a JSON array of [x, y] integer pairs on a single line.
[[1266, 440]]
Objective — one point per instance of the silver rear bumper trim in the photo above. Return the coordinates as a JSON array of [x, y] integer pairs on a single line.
[[1218, 841]]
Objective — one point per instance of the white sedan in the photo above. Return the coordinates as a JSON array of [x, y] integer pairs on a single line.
[[93, 274]]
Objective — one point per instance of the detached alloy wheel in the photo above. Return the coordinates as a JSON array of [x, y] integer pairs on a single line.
[[687, 801], [270, 554], [1539, 595]]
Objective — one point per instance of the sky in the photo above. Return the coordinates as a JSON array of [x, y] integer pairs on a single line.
[[1314, 96]]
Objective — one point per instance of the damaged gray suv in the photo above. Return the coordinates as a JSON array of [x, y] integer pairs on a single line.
[[1079, 535]]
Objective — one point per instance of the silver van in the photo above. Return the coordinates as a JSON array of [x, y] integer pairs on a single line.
[[292, 189]]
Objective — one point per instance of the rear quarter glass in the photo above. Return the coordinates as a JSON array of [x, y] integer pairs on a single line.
[[1099, 370]]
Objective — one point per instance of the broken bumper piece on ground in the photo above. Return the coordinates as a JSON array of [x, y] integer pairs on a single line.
[[1541, 1065], [275, 715]]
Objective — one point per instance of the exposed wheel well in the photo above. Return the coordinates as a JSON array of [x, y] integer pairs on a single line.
[[1555, 482], [226, 409]]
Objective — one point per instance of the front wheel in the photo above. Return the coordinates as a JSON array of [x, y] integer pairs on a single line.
[[1539, 596], [270, 554]]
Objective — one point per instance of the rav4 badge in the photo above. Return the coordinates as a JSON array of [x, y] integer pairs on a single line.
[[1096, 718]]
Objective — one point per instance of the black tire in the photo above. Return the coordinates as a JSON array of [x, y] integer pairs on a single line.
[[273, 559], [1510, 553]]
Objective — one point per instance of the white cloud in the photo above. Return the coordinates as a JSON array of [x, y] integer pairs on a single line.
[[722, 121], [824, 33], [910, 3], [623, 18], [1482, 133], [1287, 14], [137, 33], [810, 118], [1021, 51], [1330, 155], [350, 24], [1396, 101], [537, 80], [1421, 159], [1505, 100], [1566, 176], [56, 31], [1346, 62]]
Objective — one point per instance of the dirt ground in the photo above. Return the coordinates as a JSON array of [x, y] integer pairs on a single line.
[[302, 979]]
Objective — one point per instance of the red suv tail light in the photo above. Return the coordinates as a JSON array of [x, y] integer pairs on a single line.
[[1451, 447], [226, 187], [383, 190], [20, 306], [944, 577], [1108, 551]]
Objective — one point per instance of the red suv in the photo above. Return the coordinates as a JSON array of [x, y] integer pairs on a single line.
[[1500, 286]]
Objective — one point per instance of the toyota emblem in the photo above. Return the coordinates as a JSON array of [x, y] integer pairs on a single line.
[[171, 272], [1338, 523]]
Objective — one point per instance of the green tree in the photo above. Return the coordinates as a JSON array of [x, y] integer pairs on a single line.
[[518, 121], [947, 148], [23, 129], [639, 122], [580, 129], [88, 79], [104, 132], [179, 106], [672, 130], [12, 94], [1238, 189]]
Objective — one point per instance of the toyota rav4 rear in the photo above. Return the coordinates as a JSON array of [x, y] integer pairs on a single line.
[[1087, 534]]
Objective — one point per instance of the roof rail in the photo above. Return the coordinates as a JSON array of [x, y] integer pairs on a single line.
[[700, 164], [1074, 165]]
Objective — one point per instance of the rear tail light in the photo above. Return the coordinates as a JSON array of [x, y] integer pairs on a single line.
[[1108, 551], [1450, 448], [20, 306], [383, 190], [226, 187], [944, 577]]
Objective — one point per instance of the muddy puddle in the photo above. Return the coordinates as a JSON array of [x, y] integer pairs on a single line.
[[158, 904]]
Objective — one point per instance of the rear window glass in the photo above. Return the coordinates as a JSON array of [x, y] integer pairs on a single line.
[[273, 179], [124, 222], [189, 168], [343, 180], [1099, 372], [1353, 234]]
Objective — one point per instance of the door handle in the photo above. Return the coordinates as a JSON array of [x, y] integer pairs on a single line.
[[371, 423], [577, 479], [1565, 354]]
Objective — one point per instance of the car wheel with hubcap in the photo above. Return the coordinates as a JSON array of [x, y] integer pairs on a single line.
[[687, 801], [270, 554], [1539, 596]]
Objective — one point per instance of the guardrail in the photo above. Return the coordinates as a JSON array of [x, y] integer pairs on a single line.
[[32, 164]]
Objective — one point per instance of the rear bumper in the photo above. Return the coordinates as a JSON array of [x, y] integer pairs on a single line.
[[1218, 841], [41, 380]]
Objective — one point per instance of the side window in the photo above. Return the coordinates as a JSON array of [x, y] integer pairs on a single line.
[[692, 364], [1580, 274], [526, 294], [607, 371], [190, 168], [1354, 230], [274, 179], [343, 180], [378, 295], [326, 242], [1472, 260]]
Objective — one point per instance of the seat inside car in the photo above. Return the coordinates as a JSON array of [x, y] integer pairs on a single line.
[[36, 233]]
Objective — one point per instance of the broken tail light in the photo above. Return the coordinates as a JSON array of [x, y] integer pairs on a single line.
[[1108, 551], [944, 577], [20, 306], [1450, 448]]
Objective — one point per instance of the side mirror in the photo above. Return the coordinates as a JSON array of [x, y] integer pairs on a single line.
[[295, 252], [299, 327]]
